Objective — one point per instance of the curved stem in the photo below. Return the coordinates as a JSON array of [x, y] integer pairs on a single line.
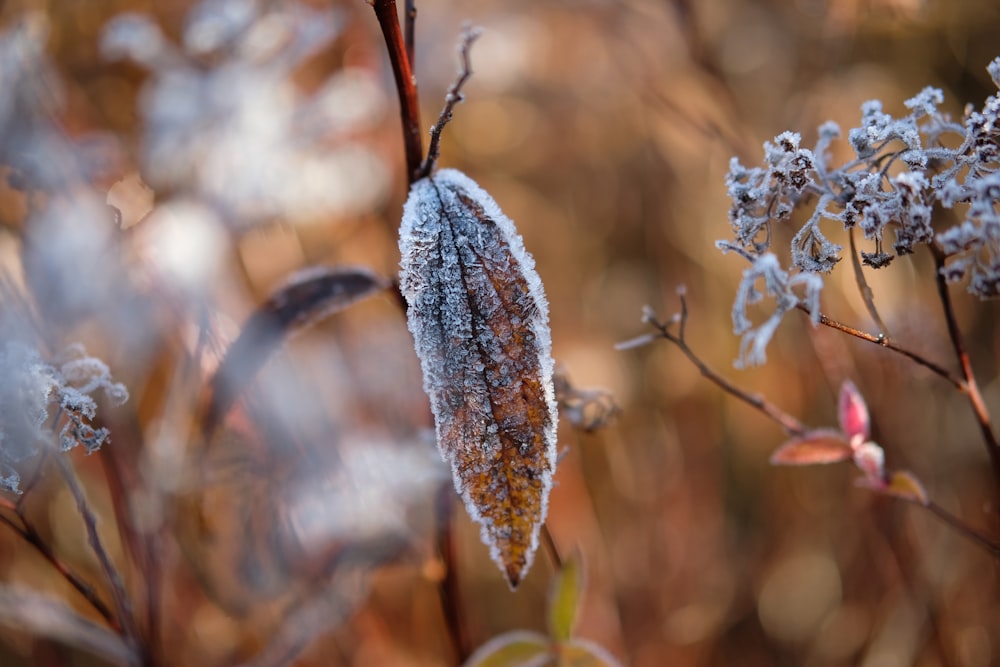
[[114, 578], [406, 84], [966, 531], [969, 387], [791, 425]]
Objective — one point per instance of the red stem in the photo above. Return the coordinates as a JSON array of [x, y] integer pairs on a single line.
[[406, 84]]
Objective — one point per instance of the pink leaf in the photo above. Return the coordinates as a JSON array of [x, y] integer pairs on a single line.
[[853, 414], [819, 446]]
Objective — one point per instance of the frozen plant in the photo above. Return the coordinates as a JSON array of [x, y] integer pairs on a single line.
[[903, 167], [37, 397]]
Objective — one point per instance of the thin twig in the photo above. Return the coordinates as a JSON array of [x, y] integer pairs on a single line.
[[791, 425], [889, 343], [30, 535], [115, 581], [406, 84], [971, 387], [866, 292], [454, 96], [991, 545], [551, 548]]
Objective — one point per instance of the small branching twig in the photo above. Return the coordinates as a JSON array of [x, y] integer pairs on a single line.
[[454, 96], [791, 425]]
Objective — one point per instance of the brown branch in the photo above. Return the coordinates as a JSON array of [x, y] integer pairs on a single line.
[[866, 292], [406, 84], [30, 535], [791, 425], [889, 343], [969, 387], [987, 543], [454, 96]]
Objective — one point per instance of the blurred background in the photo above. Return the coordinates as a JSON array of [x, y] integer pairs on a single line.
[[244, 141]]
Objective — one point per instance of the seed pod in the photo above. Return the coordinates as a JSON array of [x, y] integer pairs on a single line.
[[479, 320]]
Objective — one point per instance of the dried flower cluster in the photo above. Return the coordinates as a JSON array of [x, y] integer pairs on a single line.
[[903, 168], [37, 398]]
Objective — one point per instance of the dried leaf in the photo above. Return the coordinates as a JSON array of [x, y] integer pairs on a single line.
[[564, 598], [819, 446], [479, 320], [520, 648], [308, 296], [853, 413]]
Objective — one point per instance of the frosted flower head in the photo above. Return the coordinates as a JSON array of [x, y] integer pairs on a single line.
[[37, 397]]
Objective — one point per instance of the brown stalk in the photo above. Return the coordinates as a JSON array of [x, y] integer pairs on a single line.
[[969, 386], [30, 535], [791, 425], [406, 83]]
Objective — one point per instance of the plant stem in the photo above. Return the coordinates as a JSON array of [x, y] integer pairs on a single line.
[[889, 343], [30, 535], [117, 585], [453, 97], [969, 387], [966, 531], [791, 425], [406, 84], [448, 588]]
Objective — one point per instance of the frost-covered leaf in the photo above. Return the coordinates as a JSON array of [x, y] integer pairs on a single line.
[[564, 598], [308, 296], [479, 320], [819, 446], [852, 413], [513, 649]]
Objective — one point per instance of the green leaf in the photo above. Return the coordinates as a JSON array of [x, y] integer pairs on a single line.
[[585, 653], [564, 598], [520, 648]]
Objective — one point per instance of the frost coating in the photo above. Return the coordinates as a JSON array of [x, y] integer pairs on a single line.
[[479, 319]]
